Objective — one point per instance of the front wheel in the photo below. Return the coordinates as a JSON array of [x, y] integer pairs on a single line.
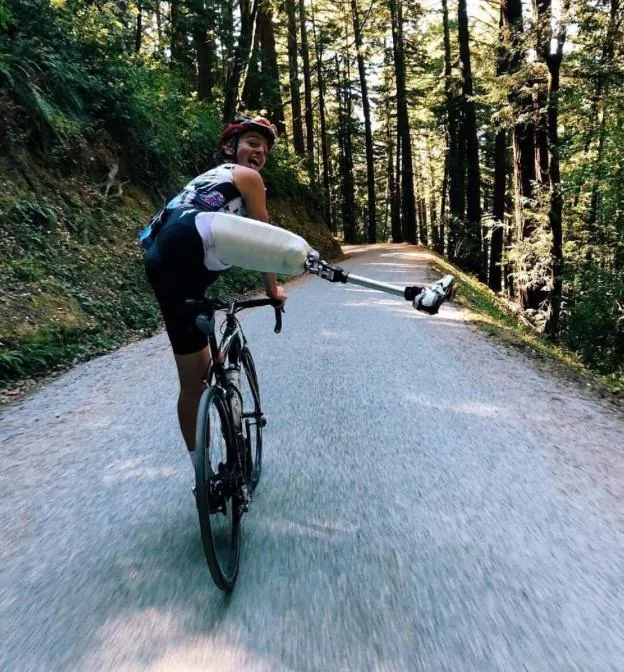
[[218, 505]]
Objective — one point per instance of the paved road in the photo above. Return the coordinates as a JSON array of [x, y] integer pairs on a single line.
[[429, 502]]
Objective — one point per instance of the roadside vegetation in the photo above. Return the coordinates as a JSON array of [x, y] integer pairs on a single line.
[[91, 143], [502, 320], [484, 131]]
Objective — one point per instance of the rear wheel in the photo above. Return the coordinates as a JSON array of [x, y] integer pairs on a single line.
[[216, 486], [253, 420]]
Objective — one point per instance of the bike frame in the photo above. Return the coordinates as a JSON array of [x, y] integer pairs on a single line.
[[233, 339], [230, 347]]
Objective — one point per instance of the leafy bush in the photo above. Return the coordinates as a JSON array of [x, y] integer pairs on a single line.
[[72, 77], [76, 100], [593, 318]]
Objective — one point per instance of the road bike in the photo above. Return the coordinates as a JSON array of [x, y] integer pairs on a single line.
[[228, 438]]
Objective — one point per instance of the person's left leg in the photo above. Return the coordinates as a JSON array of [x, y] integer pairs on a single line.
[[191, 372], [175, 269]]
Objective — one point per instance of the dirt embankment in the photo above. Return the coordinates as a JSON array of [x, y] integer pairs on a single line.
[[71, 278]]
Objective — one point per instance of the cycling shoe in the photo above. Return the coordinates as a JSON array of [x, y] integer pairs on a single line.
[[434, 295]]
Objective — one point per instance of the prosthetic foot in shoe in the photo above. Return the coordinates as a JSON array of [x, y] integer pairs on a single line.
[[434, 295]]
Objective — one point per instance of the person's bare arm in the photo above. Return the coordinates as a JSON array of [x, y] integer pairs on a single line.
[[251, 187]]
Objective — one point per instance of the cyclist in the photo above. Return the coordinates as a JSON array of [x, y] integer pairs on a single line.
[[180, 264]]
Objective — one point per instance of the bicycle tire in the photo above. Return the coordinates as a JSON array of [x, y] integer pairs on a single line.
[[220, 531], [253, 420]]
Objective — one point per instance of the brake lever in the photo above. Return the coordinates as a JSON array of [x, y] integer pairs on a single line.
[[278, 318]]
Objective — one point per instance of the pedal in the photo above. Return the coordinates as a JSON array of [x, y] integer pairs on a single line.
[[245, 498]]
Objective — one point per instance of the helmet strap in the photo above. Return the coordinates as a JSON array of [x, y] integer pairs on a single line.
[[231, 147]]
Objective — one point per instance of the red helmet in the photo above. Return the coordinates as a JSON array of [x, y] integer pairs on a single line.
[[243, 124]]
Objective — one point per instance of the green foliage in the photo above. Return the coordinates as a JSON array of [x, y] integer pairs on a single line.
[[70, 74], [595, 308], [41, 70], [285, 174], [6, 18], [45, 350]]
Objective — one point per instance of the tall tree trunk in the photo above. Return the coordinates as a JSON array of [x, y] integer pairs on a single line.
[[408, 202], [421, 206], [251, 95], [389, 180], [370, 161], [248, 13], [202, 20], [226, 37], [250, 64], [205, 64], [495, 279], [139, 27], [395, 212], [307, 90], [398, 235], [180, 61], [443, 198], [524, 153], [343, 94], [504, 56], [455, 146], [320, 77], [272, 93], [542, 14], [471, 255], [384, 233], [556, 199], [293, 75], [429, 180]]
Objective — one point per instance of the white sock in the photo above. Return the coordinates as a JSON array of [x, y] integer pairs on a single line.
[[193, 458]]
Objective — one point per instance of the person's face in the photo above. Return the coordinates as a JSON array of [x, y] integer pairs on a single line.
[[252, 150]]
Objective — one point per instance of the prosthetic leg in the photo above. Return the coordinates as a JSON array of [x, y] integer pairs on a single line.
[[427, 298]]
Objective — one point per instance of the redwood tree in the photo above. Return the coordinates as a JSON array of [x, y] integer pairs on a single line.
[[408, 203], [370, 161]]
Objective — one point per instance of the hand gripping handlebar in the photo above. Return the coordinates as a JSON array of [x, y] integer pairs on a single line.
[[208, 305]]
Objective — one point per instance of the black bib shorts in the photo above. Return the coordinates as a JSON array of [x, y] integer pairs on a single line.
[[175, 268]]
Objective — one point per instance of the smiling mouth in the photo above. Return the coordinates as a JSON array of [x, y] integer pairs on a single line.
[[254, 163]]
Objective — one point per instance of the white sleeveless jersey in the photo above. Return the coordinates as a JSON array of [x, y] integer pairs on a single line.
[[213, 191]]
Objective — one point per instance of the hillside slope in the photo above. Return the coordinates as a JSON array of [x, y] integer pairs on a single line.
[[71, 279]]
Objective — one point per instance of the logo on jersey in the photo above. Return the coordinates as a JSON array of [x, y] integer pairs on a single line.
[[210, 200]]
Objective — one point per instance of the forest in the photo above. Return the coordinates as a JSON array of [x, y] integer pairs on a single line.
[[488, 131]]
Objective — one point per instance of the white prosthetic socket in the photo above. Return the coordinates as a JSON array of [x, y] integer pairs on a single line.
[[230, 240]]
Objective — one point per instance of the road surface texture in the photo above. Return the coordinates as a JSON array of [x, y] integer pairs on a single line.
[[428, 502]]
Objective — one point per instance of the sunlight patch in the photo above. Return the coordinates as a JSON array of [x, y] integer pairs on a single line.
[[470, 408], [124, 470]]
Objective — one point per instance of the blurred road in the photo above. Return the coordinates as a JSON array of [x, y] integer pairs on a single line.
[[428, 502]]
